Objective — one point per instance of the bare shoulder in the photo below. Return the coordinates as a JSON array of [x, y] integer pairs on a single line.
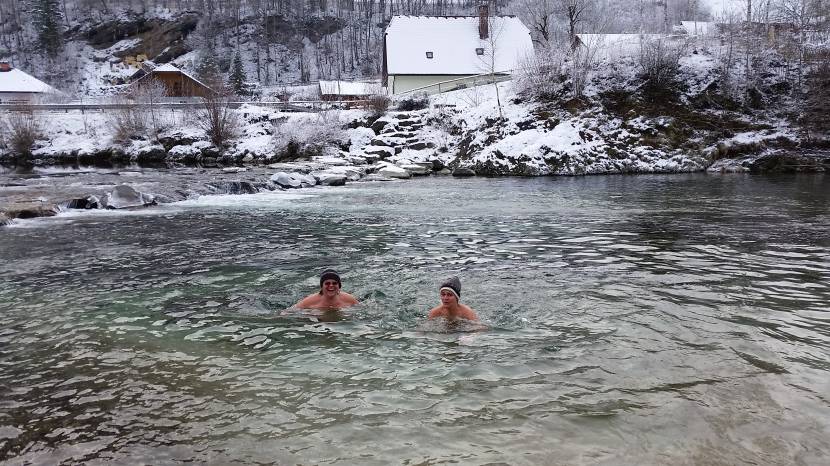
[[437, 311], [468, 313], [309, 301], [348, 299]]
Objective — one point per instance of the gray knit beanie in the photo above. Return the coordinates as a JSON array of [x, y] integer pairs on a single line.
[[330, 274], [453, 284]]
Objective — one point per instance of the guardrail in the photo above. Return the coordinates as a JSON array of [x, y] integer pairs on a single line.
[[297, 106], [461, 83]]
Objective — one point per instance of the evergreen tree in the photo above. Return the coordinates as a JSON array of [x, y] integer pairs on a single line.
[[237, 78], [207, 69], [47, 19]]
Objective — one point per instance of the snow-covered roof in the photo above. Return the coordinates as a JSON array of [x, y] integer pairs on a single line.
[[453, 42], [19, 81], [169, 67], [724, 8], [349, 88], [700, 28]]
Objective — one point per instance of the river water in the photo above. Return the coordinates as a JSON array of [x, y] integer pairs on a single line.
[[678, 319]]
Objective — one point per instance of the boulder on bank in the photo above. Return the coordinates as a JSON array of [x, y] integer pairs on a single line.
[[331, 179], [153, 153], [125, 197], [418, 168], [393, 171], [463, 172], [784, 162]]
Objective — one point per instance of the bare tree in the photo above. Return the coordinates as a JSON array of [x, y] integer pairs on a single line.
[[539, 15], [574, 12], [146, 97], [20, 131], [218, 120], [659, 61], [491, 29]]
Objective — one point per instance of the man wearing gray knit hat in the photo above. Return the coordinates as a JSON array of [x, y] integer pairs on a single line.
[[450, 308], [329, 298]]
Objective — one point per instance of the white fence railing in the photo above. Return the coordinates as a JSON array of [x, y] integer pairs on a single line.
[[297, 106]]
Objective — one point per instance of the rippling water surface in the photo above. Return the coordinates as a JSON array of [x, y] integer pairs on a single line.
[[633, 320]]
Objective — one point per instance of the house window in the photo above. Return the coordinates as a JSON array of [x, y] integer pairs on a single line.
[[429, 54], [479, 51]]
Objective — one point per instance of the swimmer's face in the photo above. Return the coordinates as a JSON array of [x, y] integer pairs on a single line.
[[447, 297], [330, 287]]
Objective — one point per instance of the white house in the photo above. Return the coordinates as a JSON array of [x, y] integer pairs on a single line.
[[699, 28], [615, 47], [18, 87], [422, 51], [348, 90]]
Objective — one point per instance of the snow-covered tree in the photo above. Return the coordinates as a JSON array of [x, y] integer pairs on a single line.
[[47, 20], [237, 77], [207, 68]]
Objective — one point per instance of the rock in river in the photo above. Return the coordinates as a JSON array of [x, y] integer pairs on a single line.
[[125, 196], [287, 180]]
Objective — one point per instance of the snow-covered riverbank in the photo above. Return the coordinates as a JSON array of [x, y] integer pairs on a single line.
[[468, 132]]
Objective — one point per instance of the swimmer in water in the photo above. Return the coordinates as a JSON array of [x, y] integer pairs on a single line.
[[450, 308], [329, 298]]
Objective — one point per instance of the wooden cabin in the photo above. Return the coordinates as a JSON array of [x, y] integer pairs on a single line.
[[177, 83]]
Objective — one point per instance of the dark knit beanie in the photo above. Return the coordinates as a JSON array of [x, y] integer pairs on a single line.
[[454, 284], [330, 274]]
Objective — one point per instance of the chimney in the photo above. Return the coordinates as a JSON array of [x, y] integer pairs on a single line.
[[4, 66], [483, 20]]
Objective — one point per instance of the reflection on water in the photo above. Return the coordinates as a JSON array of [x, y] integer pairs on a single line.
[[632, 320]]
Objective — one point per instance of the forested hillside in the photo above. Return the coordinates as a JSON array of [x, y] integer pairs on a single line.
[[82, 46]]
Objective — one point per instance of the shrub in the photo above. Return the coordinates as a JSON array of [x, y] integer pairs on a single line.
[[417, 101], [543, 77], [377, 104], [217, 119], [22, 130], [659, 61], [128, 122], [306, 135]]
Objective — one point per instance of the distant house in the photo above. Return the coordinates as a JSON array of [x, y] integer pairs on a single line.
[[699, 28], [144, 68], [422, 51], [612, 47], [177, 83], [18, 87], [348, 90]]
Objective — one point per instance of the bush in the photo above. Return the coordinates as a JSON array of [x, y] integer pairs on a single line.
[[218, 120], [418, 101], [543, 77], [303, 136], [377, 104], [128, 122], [21, 131], [659, 61]]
